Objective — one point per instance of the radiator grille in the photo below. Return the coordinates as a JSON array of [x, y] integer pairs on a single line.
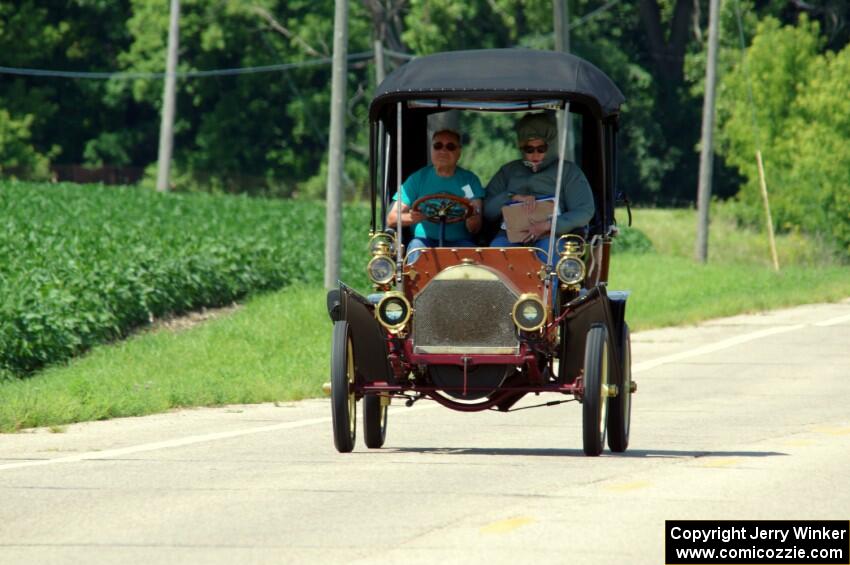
[[459, 314]]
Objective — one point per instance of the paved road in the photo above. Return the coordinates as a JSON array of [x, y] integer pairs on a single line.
[[740, 418]]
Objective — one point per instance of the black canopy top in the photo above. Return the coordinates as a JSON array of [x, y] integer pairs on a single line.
[[515, 74]]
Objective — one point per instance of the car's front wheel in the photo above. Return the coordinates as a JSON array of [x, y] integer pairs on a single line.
[[595, 398], [343, 399]]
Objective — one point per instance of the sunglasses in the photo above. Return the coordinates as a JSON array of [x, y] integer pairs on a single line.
[[539, 149], [438, 146]]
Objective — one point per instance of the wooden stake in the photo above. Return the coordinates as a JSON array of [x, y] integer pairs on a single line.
[[767, 211]]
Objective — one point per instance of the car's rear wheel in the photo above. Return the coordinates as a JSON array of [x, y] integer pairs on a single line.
[[374, 421], [595, 399], [620, 407], [343, 399]]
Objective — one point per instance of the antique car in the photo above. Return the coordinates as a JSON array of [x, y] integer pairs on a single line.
[[479, 328]]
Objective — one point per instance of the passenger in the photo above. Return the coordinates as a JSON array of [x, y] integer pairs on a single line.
[[533, 177], [443, 176]]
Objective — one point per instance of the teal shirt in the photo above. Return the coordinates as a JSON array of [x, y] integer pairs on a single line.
[[426, 181]]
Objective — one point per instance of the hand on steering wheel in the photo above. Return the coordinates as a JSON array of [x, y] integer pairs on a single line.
[[443, 207]]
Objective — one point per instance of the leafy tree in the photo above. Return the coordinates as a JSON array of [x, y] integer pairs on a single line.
[[833, 16], [800, 117], [244, 132], [667, 50], [80, 35], [268, 132], [24, 35], [17, 155]]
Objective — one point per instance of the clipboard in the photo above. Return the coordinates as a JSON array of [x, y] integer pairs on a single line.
[[518, 220]]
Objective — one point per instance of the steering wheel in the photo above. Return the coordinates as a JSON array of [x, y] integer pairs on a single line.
[[439, 208]]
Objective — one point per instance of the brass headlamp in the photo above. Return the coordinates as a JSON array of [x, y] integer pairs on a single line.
[[381, 268], [393, 311], [570, 268], [529, 313]]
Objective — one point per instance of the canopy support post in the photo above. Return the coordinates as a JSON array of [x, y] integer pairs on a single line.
[[385, 181], [562, 147], [399, 266]]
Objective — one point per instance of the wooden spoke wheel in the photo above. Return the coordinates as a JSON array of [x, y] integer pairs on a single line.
[[595, 399], [343, 399]]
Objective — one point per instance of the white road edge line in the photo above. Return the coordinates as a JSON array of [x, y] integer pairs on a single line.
[[833, 321], [110, 453], [731, 342], [712, 347], [179, 442]]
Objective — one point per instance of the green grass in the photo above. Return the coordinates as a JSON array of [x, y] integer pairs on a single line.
[[671, 291], [276, 346], [673, 233], [669, 288]]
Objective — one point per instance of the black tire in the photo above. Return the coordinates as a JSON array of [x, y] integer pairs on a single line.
[[595, 399], [342, 393], [620, 407], [374, 421]]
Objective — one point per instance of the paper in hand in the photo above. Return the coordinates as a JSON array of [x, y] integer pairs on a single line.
[[518, 219]]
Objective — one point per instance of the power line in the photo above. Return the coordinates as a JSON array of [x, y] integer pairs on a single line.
[[115, 75], [399, 55], [593, 14], [362, 55], [180, 74], [589, 16]]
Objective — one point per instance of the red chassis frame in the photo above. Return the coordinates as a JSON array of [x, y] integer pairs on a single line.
[[503, 397]]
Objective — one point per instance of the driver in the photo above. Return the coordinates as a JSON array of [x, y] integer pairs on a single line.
[[443, 176]]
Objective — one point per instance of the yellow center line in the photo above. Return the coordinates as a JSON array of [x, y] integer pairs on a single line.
[[798, 443], [833, 431], [719, 462], [626, 487], [503, 526]]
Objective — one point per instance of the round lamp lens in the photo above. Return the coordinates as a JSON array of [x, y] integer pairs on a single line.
[[393, 312], [381, 270], [530, 312], [570, 271]]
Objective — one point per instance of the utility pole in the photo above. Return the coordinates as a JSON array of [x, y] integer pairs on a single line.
[[166, 128], [336, 150], [380, 69], [561, 17], [561, 13], [706, 160]]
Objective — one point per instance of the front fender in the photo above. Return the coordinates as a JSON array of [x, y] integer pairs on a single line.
[[594, 307], [368, 338]]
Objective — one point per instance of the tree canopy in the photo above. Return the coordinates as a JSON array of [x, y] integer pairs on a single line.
[[788, 99], [267, 132]]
